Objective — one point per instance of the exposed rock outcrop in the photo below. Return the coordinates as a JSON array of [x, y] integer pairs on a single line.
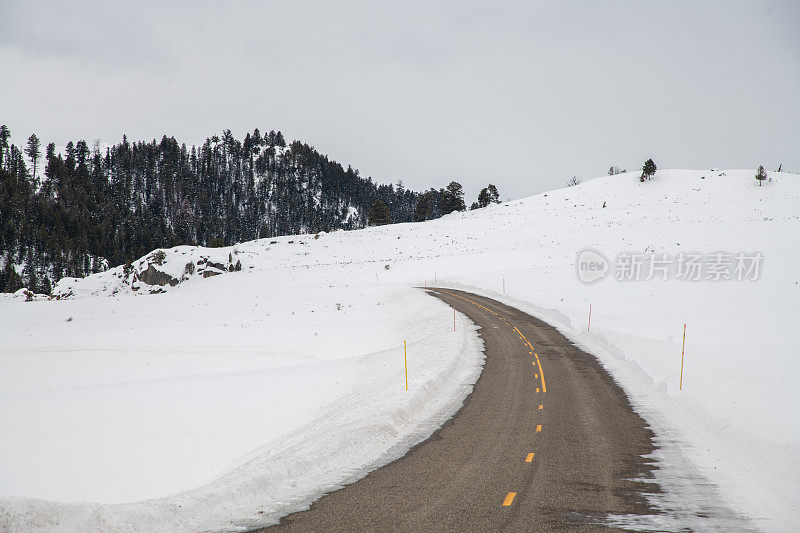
[[151, 276]]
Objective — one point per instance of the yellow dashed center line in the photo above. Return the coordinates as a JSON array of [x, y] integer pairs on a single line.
[[509, 499], [539, 363]]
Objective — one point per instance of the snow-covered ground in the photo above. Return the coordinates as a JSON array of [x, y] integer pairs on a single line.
[[233, 399], [244, 394]]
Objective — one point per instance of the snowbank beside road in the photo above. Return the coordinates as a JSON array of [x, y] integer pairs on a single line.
[[220, 406]]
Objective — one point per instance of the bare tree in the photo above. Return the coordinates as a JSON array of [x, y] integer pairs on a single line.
[[614, 170]]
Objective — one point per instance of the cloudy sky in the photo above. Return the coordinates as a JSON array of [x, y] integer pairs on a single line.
[[520, 94]]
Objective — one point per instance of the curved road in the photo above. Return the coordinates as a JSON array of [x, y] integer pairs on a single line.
[[546, 441]]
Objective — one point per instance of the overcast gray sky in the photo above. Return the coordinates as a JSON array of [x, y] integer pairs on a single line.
[[520, 94]]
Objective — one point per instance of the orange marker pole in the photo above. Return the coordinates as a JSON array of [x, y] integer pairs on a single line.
[[590, 318], [405, 362], [680, 386], [454, 319]]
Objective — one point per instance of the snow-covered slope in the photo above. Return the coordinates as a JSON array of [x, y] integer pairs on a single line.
[[215, 395]]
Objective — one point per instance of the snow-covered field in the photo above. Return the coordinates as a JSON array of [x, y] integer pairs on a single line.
[[243, 394], [231, 400]]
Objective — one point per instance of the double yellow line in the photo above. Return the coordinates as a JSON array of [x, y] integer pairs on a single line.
[[521, 336], [509, 499], [536, 355]]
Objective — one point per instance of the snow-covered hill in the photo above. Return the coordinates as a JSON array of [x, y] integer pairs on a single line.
[[241, 395]]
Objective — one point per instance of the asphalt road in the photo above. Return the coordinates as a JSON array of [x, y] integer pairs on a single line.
[[546, 441]]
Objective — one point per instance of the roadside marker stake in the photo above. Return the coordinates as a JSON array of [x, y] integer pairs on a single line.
[[454, 319], [405, 362], [680, 386], [509, 499]]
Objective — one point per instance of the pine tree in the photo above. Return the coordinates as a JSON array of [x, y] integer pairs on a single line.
[[5, 134], [379, 214], [12, 280], [648, 170], [426, 205], [494, 196], [488, 195], [761, 175], [452, 198]]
